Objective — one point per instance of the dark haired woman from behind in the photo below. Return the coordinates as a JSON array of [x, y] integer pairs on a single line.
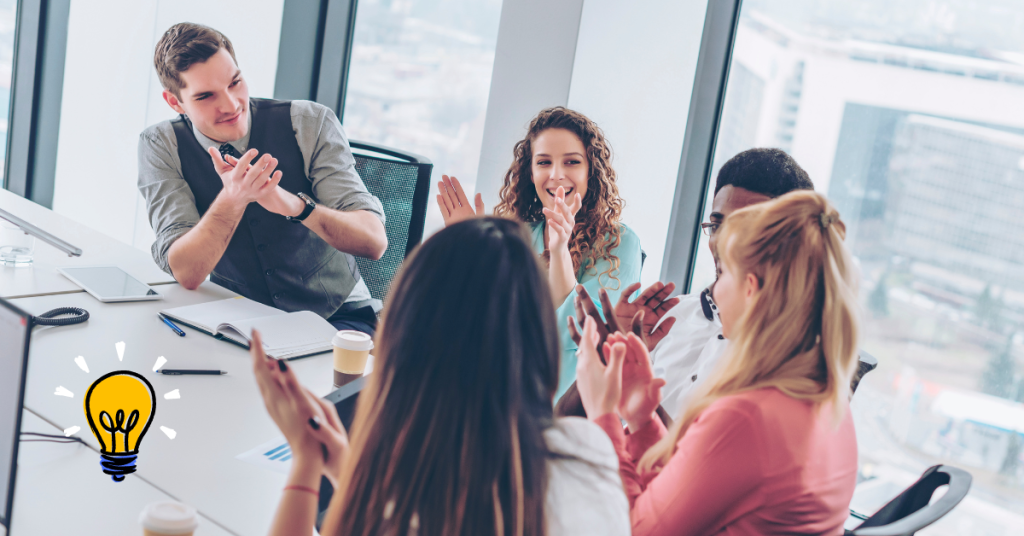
[[561, 183], [454, 432]]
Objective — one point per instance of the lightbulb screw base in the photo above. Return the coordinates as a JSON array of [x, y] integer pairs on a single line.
[[118, 465]]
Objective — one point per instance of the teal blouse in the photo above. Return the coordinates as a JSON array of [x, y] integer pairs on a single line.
[[628, 252]]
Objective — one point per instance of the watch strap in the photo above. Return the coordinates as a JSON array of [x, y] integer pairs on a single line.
[[310, 205]]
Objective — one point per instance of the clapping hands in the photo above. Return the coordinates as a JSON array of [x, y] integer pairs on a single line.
[[309, 423], [453, 202], [246, 181], [599, 381], [641, 316], [641, 391], [625, 386], [560, 220]]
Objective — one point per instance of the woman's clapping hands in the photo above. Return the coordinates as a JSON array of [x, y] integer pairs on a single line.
[[309, 423], [560, 220], [641, 391], [453, 202], [626, 386], [600, 384]]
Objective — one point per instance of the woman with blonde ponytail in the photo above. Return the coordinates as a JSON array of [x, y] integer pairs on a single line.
[[766, 445]]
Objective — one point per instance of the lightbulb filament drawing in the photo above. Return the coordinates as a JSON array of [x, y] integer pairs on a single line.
[[121, 403], [113, 427]]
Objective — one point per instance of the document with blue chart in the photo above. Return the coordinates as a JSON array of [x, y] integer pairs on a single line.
[[273, 454]]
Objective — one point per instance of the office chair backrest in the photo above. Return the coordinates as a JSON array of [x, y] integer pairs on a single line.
[[910, 512], [865, 364], [401, 181]]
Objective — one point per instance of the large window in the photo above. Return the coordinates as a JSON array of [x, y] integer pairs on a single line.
[[419, 78], [909, 116]]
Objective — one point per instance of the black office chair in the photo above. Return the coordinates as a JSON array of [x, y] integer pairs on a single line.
[[401, 181], [865, 364], [910, 512]]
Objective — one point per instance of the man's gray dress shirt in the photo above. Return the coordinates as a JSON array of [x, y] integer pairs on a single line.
[[328, 161]]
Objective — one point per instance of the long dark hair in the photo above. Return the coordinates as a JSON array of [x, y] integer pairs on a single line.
[[448, 438], [597, 231]]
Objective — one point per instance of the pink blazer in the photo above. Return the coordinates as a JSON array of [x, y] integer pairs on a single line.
[[758, 462]]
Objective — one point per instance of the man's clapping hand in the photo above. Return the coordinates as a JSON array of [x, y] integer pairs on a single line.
[[246, 181], [641, 316]]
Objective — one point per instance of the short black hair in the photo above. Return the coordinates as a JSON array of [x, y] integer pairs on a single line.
[[765, 171]]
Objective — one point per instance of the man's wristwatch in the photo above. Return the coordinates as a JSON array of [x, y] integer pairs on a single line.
[[310, 205]]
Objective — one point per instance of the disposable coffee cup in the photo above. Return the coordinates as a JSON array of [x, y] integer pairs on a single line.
[[168, 518], [351, 349]]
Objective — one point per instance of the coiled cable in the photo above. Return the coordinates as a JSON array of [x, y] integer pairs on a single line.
[[49, 318]]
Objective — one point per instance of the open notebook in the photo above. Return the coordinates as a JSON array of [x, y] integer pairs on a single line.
[[285, 335]]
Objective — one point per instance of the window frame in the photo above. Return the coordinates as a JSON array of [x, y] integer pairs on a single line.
[[702, 125], [318, 62], [37, 86]]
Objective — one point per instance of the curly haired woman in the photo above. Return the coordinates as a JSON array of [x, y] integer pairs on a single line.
[[563, 186]]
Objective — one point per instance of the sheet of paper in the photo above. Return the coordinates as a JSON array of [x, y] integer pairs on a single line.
[[301, 329], [273, 454]]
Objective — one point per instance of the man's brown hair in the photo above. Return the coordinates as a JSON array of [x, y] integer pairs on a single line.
[[182, 46]]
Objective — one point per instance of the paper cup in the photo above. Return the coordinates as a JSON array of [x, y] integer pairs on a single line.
[[351, 350], [168, 518]]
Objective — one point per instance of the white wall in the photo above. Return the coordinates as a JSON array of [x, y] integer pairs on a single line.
[[533, 69], [633, 75], [111, 94]]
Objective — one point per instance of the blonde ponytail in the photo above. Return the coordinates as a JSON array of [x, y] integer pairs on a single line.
[[800, 333]]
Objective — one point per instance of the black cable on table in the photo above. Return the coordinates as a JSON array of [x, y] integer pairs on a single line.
[[55, 438], [49, 318]]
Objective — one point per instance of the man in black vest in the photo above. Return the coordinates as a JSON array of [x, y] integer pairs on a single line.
[[280, 228]]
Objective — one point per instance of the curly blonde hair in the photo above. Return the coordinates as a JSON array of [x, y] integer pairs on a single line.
[[597, 231]]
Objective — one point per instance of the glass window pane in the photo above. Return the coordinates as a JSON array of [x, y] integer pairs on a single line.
[[910, 117], [8, 22], [419, 79]]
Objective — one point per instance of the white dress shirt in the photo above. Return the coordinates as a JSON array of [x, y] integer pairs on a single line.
[[690, 350]]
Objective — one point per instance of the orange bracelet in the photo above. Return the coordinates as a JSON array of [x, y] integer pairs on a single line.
[[303, 488]]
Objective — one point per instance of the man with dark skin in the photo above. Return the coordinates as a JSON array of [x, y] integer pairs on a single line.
[[684, 334]]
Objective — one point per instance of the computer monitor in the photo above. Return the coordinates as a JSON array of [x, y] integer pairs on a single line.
[[15, 328]]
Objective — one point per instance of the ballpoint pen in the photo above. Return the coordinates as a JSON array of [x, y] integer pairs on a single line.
[[182, 372], [171, 325]]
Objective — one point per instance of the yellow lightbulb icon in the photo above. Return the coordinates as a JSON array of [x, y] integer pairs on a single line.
[[119, 407]]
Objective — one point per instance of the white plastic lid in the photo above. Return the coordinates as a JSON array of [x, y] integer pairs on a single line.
[[352, 340], [169, 517]]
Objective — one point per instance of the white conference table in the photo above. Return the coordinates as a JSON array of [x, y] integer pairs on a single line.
[[216, 418], [60, 482], [41, 277]]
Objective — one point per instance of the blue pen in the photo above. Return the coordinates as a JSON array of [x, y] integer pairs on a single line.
[[171, 324]]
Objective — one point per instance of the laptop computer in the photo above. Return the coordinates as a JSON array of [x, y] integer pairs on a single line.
[[15, 329]]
